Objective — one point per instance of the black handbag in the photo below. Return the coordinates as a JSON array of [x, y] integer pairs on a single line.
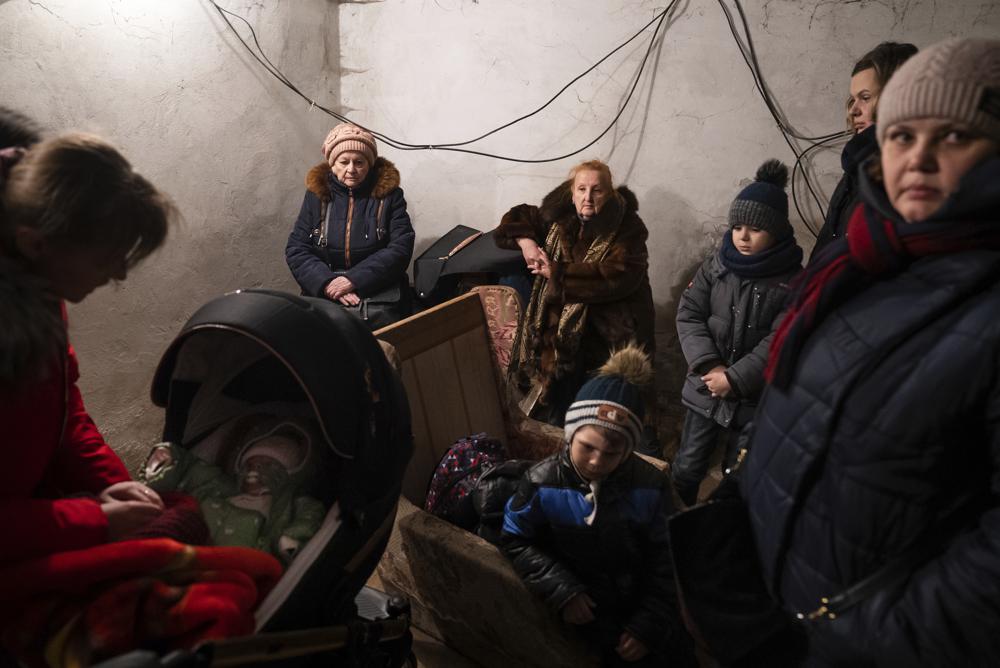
[[385, 307], [726, 605]]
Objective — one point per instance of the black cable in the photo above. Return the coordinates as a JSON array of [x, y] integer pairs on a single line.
[[787, 133], [454, 146]]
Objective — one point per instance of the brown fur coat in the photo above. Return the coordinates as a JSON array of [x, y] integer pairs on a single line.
[[614, 289]]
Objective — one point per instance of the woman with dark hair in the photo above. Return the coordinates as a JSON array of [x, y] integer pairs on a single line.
[[74, 215], [870, 75], [874, 470]]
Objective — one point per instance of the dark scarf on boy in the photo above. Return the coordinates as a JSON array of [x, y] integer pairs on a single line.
[[880, 244], [783, 257]]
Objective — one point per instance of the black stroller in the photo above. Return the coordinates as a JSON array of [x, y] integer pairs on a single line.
[[259, 351]]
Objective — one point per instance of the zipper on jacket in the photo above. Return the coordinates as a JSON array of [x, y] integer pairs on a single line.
[[347, 229]]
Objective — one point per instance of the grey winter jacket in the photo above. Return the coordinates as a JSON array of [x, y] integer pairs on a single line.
[[724, 319]]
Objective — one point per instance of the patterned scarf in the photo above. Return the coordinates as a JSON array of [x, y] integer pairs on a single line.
[[571, 317], [878, 246]]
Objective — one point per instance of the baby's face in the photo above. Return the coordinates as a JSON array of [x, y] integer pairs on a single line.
[[593, 454], [261, 475]]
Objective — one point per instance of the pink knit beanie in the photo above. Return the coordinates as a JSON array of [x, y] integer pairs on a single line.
[[957, 79], [347, 137]]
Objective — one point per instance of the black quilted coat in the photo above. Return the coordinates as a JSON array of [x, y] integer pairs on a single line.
[[621, 560], [891, 421]]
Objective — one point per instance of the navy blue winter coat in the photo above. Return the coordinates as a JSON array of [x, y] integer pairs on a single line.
[[891, 420], [364, 233], [621, 560]]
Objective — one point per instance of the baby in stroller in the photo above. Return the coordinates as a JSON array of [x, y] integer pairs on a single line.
[[261, 503]]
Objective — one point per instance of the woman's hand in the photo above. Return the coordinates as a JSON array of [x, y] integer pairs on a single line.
[[533, 254], [127, 506], [130, 490], [543, 267], [350, 299], [631, 648], [579, 609], [717, 382], [339, 287]]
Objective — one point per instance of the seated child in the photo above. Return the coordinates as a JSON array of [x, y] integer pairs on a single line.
[[725, 322], [587, 528], [261, 505]]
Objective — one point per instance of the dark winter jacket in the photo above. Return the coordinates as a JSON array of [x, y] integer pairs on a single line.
[[621, 560], [724, 319], [55, 461], [890, 421], [846, 196], [364, 233], [615, 289]]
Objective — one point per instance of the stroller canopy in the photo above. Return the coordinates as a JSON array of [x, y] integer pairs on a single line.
[[268, 351]]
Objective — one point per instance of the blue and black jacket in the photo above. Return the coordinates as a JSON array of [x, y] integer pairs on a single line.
[[621, 558]]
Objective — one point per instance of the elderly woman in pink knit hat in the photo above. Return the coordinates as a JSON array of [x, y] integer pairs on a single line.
[[353, 240]]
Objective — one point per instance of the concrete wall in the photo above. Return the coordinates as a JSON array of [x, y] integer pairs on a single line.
[[693, 135], [170, 85]]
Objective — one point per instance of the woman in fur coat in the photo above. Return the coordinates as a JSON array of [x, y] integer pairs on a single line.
[[73, 216], [353, 240], [586, 246]]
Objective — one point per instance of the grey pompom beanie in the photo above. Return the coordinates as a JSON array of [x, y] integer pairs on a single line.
[[764, 204]]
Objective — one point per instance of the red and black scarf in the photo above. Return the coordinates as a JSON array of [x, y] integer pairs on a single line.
[[876, 247]]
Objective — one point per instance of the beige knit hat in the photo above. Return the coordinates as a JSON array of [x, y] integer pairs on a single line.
[[958, 79], [347, 137]]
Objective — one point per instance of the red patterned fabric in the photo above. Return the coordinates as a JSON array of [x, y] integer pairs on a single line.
[[79, 607]]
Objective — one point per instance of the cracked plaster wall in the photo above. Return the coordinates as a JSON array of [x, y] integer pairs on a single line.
[[435, 71], [167, 83]]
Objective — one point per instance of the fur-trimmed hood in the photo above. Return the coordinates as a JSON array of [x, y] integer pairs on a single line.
[[558, 205], [384, 180], [33, 331]]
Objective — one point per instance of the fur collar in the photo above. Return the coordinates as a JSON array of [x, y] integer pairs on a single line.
[[33, 332], [386, 179], [558, 206]]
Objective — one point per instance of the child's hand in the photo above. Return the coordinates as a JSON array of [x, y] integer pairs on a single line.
[[579, 610], [130, 490], [631, 648], [717, 382]]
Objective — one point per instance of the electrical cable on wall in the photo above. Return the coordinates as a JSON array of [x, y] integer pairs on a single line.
[[749, 54], [266, 63], [747, 51]]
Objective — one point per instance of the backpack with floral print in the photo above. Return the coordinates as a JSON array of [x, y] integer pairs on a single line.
[[449, 495]]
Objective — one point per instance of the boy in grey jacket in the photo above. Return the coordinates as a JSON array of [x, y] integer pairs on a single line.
[[725, 321]]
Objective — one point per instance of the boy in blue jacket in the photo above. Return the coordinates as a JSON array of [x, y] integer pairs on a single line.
[[587, 528]]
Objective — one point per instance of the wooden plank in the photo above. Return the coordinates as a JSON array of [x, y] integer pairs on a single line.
[[422, 463], [443, 397], [482, 402], [427, 329]]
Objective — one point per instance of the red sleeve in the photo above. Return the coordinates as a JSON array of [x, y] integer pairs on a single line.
[[36, 527], [83, 462]]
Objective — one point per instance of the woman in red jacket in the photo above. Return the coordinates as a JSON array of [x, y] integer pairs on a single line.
[[73, 216]]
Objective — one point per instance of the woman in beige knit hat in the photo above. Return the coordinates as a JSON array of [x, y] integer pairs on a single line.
[[872, 479], [353, 240]]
